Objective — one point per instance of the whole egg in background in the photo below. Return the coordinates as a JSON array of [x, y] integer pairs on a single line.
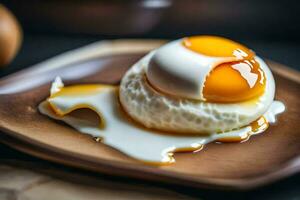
[[10, 36]]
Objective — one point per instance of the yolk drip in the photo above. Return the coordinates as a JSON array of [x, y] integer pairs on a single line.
[[258, 126], [235, 81]]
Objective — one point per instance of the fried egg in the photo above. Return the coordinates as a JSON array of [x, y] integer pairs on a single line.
[[197, 91], [179, 97]]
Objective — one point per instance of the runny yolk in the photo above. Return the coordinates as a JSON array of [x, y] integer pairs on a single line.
[[238, 80]]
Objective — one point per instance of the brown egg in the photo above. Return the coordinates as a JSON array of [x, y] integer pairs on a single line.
[[10, 36]]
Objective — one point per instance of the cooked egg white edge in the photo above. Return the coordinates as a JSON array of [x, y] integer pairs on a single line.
[[120, 133]]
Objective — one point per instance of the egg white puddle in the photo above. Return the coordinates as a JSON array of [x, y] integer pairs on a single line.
[[139, 143]]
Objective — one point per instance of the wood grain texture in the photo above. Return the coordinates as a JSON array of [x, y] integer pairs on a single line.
[[261, 160]]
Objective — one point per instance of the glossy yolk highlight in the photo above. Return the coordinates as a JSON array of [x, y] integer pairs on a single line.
[[235, 81]]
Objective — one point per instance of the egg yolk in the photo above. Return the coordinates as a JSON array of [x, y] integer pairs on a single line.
[[235, 81]]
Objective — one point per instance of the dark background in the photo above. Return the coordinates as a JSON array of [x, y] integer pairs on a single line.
[[271, 28]]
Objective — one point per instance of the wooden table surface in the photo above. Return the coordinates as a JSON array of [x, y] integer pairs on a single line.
[[34, 180], [26, 177]]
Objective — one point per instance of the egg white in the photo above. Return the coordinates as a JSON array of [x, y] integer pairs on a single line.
[[160, 111], [120, 133]]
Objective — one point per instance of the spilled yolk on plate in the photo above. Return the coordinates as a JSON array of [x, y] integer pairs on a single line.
[[257, 127], [235, 81]]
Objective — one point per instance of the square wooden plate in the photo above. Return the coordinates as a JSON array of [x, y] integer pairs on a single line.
[[263, 159]]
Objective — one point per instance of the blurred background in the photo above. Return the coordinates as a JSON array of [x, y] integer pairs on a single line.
[[270, 27], [267, 20]]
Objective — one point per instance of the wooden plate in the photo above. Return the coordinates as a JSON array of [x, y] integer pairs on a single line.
[[263, 159]]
